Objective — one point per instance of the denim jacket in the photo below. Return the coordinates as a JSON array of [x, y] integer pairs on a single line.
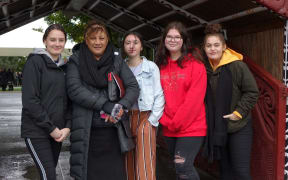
[[151, 93]]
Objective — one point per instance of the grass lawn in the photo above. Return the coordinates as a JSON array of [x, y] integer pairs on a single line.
[[18, 89]]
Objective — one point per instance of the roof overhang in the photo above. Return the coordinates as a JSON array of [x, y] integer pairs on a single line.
[[148, 17]]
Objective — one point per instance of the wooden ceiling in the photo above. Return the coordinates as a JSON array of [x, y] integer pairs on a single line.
[[148, 17]]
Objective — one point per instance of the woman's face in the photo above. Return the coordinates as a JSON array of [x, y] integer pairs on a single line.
[[97, 43], [132, 46], [55, 43], [173, 41], [214, 48]]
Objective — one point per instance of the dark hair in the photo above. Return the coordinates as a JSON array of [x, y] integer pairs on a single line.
[[214, 30], [54, 27], [138, 35], [95, 26], [162, 53]]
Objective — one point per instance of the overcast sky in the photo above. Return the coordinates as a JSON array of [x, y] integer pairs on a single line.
[[26, 37]]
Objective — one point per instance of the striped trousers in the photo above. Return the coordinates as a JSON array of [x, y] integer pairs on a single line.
[[45, 153], [141, 161]]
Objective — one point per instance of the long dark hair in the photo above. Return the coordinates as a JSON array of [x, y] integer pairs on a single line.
[[53, 27], [162, 53]]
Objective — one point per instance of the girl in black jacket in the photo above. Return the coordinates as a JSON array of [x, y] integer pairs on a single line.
[[95, 149], [45, 114]]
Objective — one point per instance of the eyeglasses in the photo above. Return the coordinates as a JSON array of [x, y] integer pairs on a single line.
[[176, 38]]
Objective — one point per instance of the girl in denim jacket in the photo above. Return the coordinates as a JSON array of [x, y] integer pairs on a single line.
[[146, 112]]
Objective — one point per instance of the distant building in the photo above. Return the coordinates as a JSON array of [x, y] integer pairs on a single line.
[[25, 51]]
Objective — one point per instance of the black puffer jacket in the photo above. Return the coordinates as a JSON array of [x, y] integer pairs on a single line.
[[44, 98], [87, 99]]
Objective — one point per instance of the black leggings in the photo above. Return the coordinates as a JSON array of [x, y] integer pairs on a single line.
[[184, 150], [45, 153], [235, 161]]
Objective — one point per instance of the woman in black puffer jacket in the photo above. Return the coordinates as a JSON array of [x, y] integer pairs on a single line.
[[95, 149]]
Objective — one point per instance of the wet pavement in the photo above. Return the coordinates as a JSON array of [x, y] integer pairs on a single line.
[[15, 161], [17, 164]]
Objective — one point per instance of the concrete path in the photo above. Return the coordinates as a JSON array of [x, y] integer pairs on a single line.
[[15, 161]]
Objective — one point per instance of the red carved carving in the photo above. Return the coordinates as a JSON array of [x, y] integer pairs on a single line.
[[279, 6], [269, 115]]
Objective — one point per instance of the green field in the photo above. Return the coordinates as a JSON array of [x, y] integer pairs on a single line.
[[15, 89]]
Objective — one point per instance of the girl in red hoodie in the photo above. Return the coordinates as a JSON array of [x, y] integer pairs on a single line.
[[183, 78]]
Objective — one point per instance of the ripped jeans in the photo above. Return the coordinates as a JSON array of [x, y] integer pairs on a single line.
[[184, 151]]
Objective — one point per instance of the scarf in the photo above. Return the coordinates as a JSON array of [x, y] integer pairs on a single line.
[[94, 72], [217, 105]]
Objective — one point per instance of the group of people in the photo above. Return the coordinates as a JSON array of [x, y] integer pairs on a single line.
[[200, 101], [9, 79]]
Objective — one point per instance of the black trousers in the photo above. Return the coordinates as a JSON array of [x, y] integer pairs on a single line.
[[235, 161], [45, 153], [184, 150], [105, 161]]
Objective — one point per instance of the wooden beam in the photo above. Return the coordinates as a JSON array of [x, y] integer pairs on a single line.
[[76, 5], [129, 8], [189, 5], [6, 15], [133, 15]]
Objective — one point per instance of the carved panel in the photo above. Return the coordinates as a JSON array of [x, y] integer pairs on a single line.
[[267, 160], [279, 6]]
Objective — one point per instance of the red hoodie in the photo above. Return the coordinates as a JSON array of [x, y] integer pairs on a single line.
[[184, 90]]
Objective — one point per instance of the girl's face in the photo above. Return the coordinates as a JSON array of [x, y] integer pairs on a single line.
[[55, 43], [173, 41], [214, 48], [97, 43], [132, 46]]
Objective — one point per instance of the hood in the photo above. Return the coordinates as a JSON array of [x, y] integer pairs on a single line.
[[76, 47], [228, 56], [43, 51]]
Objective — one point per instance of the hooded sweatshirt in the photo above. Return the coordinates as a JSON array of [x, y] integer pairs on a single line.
[[184, 92], [228, 56], [60, 61], [44, 98]]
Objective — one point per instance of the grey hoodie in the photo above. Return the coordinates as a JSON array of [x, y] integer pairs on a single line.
[[43, 51]]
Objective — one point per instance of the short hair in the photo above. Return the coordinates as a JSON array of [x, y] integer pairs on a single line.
[[95, 26]]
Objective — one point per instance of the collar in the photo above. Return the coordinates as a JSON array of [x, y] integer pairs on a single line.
[[145, 65]]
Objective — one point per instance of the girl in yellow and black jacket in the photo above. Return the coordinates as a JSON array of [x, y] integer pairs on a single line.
[[231, 94]]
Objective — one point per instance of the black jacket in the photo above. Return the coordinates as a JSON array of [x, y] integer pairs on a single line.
[[87, 99], [44, 97], [244, 93]]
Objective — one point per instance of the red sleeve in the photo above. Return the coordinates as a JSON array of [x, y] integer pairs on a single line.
[[194, 100]]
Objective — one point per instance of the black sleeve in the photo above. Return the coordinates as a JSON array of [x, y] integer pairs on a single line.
[[130, 84], [31, 95], [79, 94], [68, 113]]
